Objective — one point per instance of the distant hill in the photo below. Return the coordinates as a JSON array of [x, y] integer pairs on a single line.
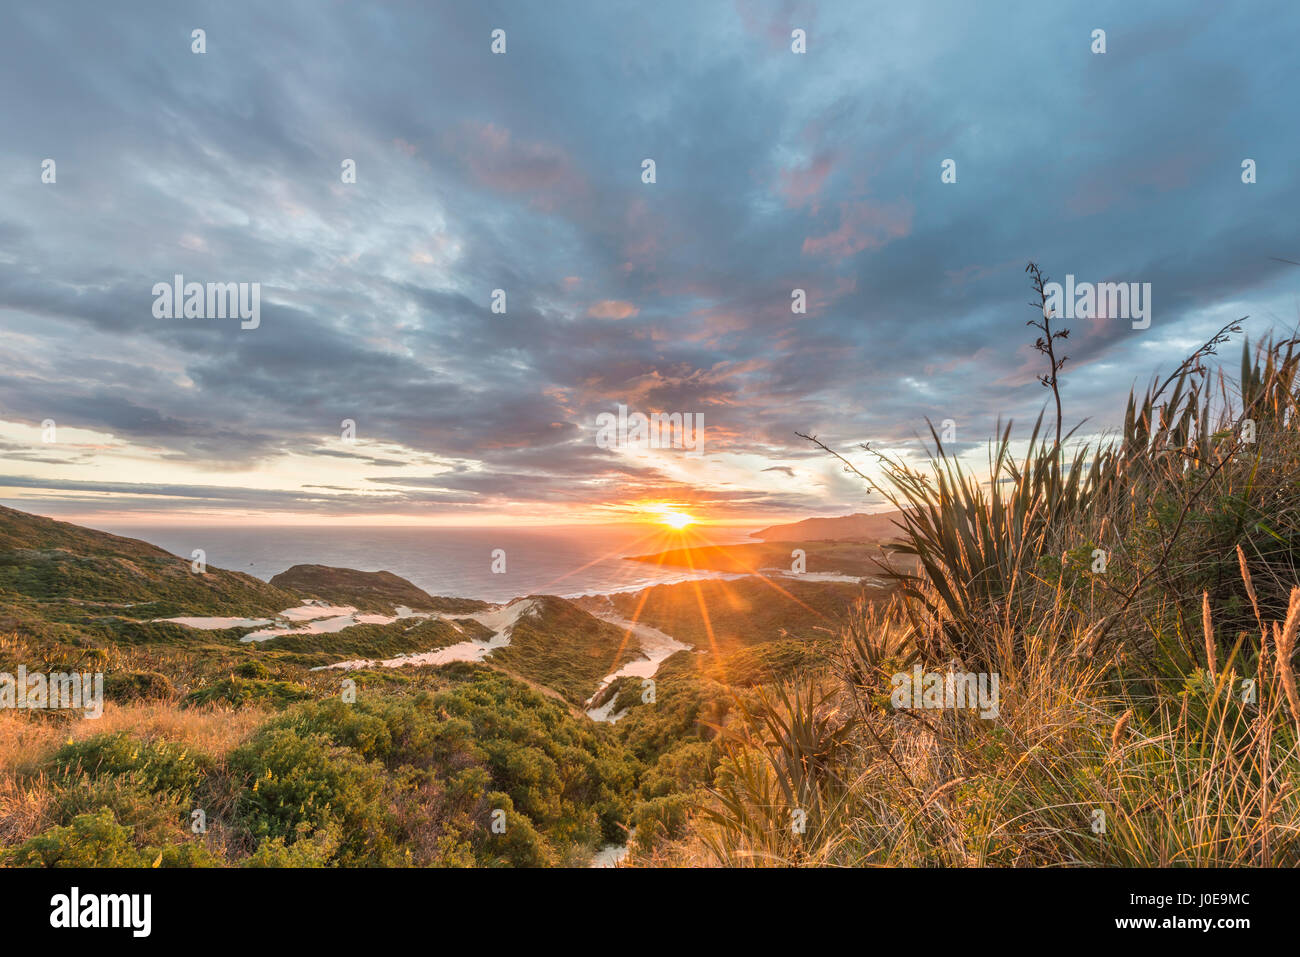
[[64, 567], [739, 613], [562, 646], [747, 558], [859, 527], [367, 591]]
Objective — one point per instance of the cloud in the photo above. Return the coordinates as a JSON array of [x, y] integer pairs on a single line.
[[801, 185], [522, 173], [612, 309], [863, 225]]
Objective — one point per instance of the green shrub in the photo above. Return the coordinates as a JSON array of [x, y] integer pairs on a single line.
[[660, 819], [253, 669], [238, 691], [153, 766], [154, 817], [292, 787], [91, 840], [516, 842], [361, 726], [681, 769], [127, 686], [315, 851], [98, 840]]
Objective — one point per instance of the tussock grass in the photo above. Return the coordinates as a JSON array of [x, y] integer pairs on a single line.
[[1137, 597]]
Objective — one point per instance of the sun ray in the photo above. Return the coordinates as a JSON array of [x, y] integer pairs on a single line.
[[680, 533], [767, 581], [627, 634], [608, 555], [708, 623]]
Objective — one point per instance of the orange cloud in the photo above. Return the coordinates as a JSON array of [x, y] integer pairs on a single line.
[[863, 225], [612, 309], [499, 162]]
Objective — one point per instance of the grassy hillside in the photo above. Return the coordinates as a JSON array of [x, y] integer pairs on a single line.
[[72, 573], [379, 591], [373, 642], [739, 613], [565, 648]]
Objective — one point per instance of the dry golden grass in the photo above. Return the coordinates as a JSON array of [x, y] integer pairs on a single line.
[[1218, 787], [27, 741]]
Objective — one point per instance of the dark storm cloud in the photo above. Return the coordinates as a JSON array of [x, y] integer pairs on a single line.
[[522, 172]]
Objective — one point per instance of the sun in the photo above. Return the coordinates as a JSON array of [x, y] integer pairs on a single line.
[[675, 519]]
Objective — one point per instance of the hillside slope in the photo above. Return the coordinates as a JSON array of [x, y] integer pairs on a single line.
[[560, 645], [726, 616], [859, 527], [368, 591], [64, 568]]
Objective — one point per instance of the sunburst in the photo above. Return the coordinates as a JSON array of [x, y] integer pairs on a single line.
[[675, 519]]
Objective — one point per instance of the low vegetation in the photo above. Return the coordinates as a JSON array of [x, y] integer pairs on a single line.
[[413, 775]]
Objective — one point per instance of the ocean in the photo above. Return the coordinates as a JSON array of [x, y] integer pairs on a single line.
[[556, 560]]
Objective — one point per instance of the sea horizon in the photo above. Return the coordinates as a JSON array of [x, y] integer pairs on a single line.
[[454, 561]]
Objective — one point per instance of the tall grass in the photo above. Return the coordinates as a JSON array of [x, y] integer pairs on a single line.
[[1137, 597]]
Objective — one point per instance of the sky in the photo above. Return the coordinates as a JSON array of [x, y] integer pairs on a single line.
[[523, 171]]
